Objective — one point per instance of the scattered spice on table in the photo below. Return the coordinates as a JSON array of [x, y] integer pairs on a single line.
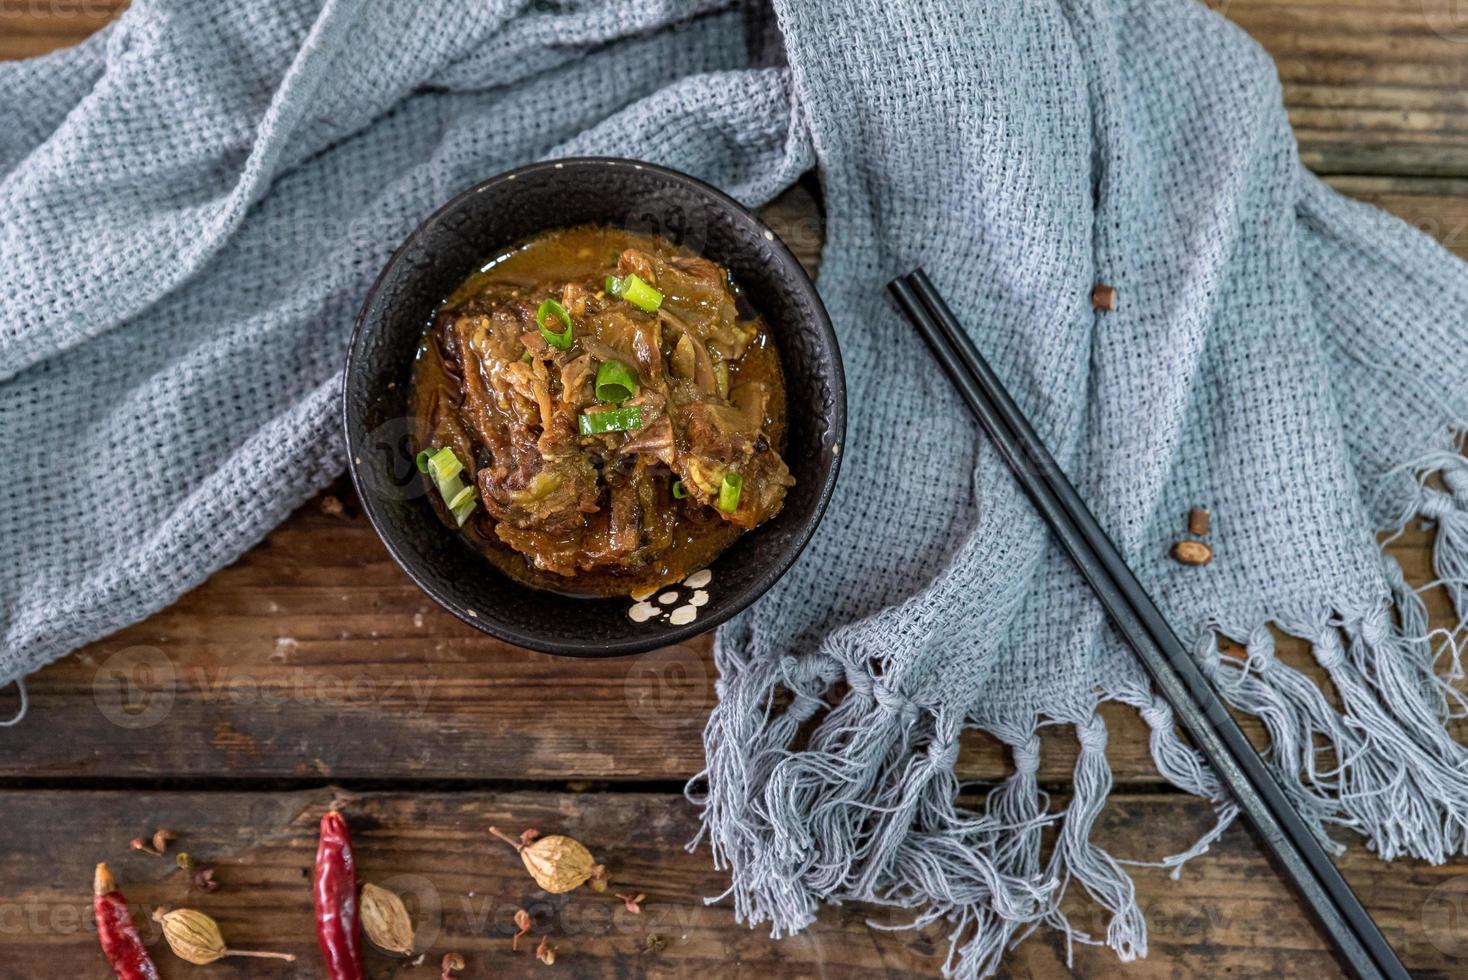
[[1192, 553], [335, 889], [203, 879], [1198, 519], [523, 923], [331, 506], [121, 943], [157, 846], [633, 902], [195, 937], [545, 952], [557, 863], [654, 944], [451, 963], [385, 920]]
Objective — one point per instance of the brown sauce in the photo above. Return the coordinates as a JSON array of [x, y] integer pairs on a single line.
[[620, 512]]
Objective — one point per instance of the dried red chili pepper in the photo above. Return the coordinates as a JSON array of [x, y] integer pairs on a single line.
[[121, 943], [335, 886]]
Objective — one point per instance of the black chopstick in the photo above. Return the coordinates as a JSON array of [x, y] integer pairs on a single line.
[[1197, 706]]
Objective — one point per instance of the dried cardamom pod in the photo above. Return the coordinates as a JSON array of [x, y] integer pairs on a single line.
[[557, 863], [385, 920], [195, 937]]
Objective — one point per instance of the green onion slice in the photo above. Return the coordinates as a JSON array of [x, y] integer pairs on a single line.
[[615, 382], [444, 466], [636, 292], [550, 308], [463, 504], [729, 492], [461, 498], [610, 420], [678, 492], [423, 457]]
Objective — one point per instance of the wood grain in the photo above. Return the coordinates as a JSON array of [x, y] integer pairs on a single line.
[[1371, 86], [315, 657], [34, 27], [1227, 913]]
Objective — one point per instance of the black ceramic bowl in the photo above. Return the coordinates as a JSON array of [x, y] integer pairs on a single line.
[[457, 239]]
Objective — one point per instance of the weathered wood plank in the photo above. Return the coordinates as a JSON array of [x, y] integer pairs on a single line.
[[34, 27], [1371, 86], [1228, 913], [315, 657]]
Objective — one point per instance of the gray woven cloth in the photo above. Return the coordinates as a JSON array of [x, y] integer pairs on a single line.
[[194, 202]]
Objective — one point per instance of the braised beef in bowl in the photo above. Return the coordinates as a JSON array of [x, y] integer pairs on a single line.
[[594, 407], [602, 416]]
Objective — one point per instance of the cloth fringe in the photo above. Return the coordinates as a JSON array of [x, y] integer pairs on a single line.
[[869, 808]]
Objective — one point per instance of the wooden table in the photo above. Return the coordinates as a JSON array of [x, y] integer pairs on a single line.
[[313, 671]]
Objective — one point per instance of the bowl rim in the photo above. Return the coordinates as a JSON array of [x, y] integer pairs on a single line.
[[820, 322]]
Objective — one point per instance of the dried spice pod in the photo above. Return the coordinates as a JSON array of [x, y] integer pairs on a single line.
[[335, 889], [121, 943], [557, 863], [545, 952], [1192, 553], [195, 937], [450, 964], [385, 920], [1198, 519], [522, 922]]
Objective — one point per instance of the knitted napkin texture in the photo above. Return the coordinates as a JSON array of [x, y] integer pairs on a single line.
[[194, 202]]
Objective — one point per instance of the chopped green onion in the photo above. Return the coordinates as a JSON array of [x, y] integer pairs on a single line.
[[527, 357], [463, 504], [729, 492], [636, 292], [460, 498], [611, 420], [444, 466], [615, 381], [678, 492], [549, 308]]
